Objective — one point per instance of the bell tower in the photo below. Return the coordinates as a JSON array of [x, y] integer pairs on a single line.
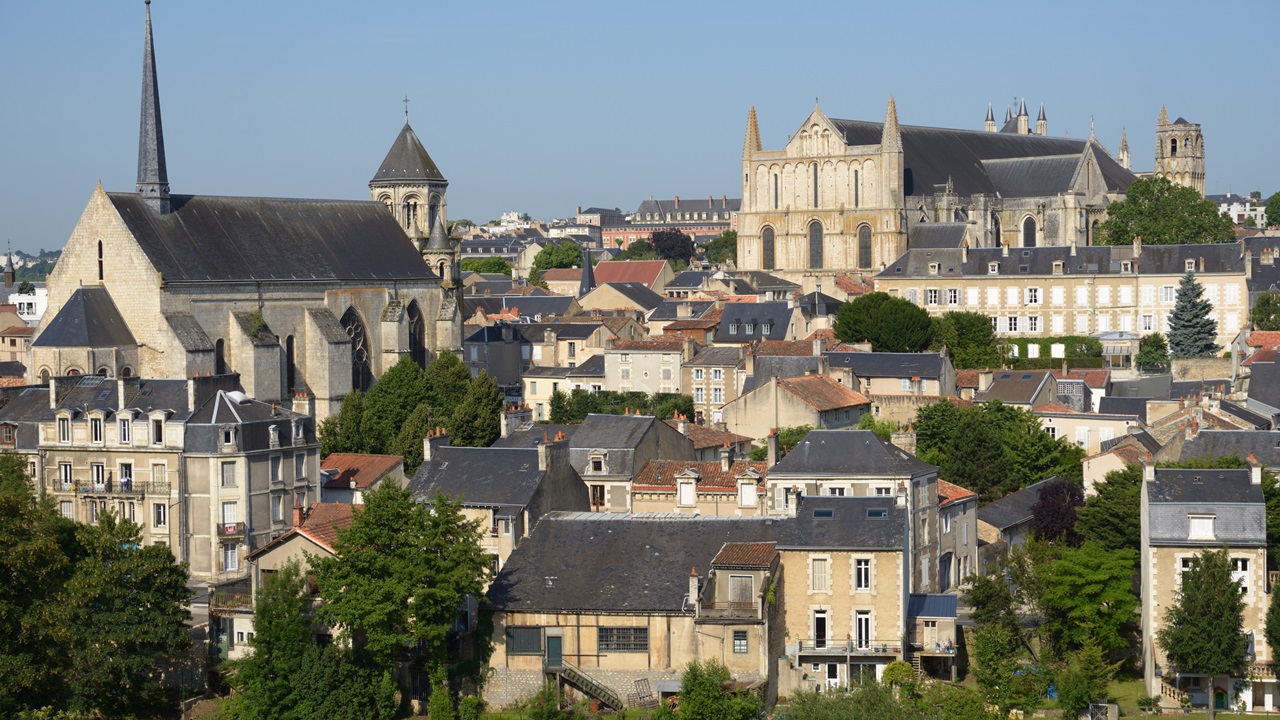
[[410, 185], [1180, 152]]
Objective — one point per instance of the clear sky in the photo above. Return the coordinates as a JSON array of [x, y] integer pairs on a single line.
[[540, 106]]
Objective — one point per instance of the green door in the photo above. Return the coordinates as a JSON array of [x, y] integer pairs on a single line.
[[555, 651]]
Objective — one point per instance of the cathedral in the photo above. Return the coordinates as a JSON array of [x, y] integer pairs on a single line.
[[304, 299], [853, 195]]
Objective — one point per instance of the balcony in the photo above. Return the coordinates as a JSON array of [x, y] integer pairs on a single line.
[[125, 486], [844, 646], [728, 611], [231, 530], [230, 598]]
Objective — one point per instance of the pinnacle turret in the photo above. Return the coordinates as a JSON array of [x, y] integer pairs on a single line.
[[891, 136], [588, 282], [752, 142], [991, 116], [153, 176]]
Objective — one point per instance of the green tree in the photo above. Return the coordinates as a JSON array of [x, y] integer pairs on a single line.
[[400, 573], [283, 646], [666, 405], [535, 278], [672, 245], [440, 705], [408, 442], [447, 380], [545, 704], [1192, 330], [494, 265], [1249, 222], [388, 403], [126, 612], [14, 479], [968, 338], [1273, 210], [1153, 354], [476, 422], [1053, 515], [884, 429], [868, 702], [1272, 629], [1002, 670], [345, 432], [344, 683], [898, 672], [1083, 679], [1202, 630], [559, 255], [703, 696], [1109, 517], [26, 287], [560, 408], [724, 248], [1265, 314], [890, 324], [788, 438], [1088, 597], [639, 250], [1162, 213]]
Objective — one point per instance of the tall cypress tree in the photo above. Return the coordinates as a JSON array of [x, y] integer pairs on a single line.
[[1192, 333]]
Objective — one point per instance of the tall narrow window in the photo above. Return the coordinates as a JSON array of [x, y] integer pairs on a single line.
[[100, 273], [766, 249], [815, 185], [856, 189], [219, 358], [864, 246], [815, 245], [290, 368], [361, 373], [775, 191], [863, 629], [1029, 232]]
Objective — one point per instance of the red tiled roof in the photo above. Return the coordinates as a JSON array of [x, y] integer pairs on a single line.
[[661, 474], [562, 274], [967, 378], [1261, 356], [704, 437], [658, 343], [364, 470], [852, 287], [19, 331], [822, 393], [951, 493], [755, 555], [706, 322], [324, 520], [638, 271], [1264, 338], [12, 382], [1054, 407], [776, 348]]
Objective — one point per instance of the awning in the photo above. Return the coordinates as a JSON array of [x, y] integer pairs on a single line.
[[1117, 350]]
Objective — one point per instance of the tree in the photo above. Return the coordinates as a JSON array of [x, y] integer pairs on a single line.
[[126, 612], [672, 245], [639, 250], [345, 432], [388, 403], [999, 667], [1088, 597], [1202, 631], [559, 255], [341, 682], [890, 324], [788, 438], [1265, 314], [1272, 629], [969, 339], [1192, 331], [724, 248], [1273, 210], [666, 405], [1162, 213], [440, 705], [535, 278], [703, 696], [283, 646], [559, 407], [14, 480], [898, 672], [1053, 515], [1110, 517], [870, 701], [1249, 222], [476, 422], [399, 574], [884, 429], [408, 442], [26, 287], [447, 380], [495, 265], [1153, 354], [545, 704], [1083, 679]]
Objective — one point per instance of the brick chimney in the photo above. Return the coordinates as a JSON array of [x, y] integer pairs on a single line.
[[1255, 470], [985, 378], [682, 424], [513, 418], [298, 514], [693, 590], [304, 404], [905, 439], [772, 441], [432, 442], [726, 457], [551, 450]]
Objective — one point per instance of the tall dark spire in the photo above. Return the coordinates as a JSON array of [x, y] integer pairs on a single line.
[[588, 281], [153, 178]]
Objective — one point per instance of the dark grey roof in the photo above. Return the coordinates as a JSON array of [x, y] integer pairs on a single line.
[[717, 355], [26, 407], [492, 287], [699, 205], [536, 332], [1012, 509], [1042, 176], [1089, 260], [611, 431], [763, 281], [1264, 387], [888, 365], [88, 319], [12, 369], [670, 309], [1016, 386], [1110, 405], [849, 452], [1144, 438], [689, 279], [217, 239], [407, 160], [493, 334], [1187, 388], [777, 314], [818, 304], [638, 293], [489, 477], [153, 175], [533, 437], [920, 605], [1154, 387], [936, 235], [779, 366], [1263, 444], [1258, 420], [1175, 485], [188, 331], [1237, 505], [641, 563], [591, 367], [438, 241]]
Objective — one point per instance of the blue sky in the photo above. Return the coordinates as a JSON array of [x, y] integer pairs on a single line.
[[539, 107]]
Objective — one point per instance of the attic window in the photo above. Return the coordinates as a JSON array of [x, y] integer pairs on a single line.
[[1026, 253], [1026, 377], [1057, 267], [993, 268], [1024, 268], [1190, 265], [1006, 376], [877, 512], [933, 268], [1126, 267], [823, 513]]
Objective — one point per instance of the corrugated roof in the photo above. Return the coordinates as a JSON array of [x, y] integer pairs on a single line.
[[920, 605]]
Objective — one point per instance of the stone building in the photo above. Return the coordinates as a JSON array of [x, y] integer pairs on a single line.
[[295, 295], [1180, 152], [846, 194]]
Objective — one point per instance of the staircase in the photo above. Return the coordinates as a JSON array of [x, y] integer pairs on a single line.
[[915, 665], [575, 677]]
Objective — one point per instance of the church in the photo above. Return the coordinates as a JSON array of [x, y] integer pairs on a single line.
[[302, 298], [852, 196]]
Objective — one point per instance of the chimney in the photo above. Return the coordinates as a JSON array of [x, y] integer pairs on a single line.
[[677, 202], [900, 500], [905, 439], [684, 310], [693, 590], [1268, 256], [1201, 263], [1255, 470], [1148, 469], [964, 251], [985, 378], [297, 511], [726, 457], [120, 396], [1248, 264], [682, 424], [1004, 251], [772, 441], [549, 449], [432, 442], [303, 404], [1073, 249], [53, 393], [817, 346]]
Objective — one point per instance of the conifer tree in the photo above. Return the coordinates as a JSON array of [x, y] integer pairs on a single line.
[[1192, 332]]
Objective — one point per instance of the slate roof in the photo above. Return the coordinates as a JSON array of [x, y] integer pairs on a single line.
[[488, 477], [362, 469], [529, 306], [670, 309], [1144, 439], [1012, 509], [638, 293], [779, 366], [1264, 387], [699, 205], [657, 343], [818, 304], [1155, 387], [936, 235], [1089, 260], [1236, 503], [88, 319], [920, 605], [778, 314], [1135, 406], [889, 365], [822, 393], [534, 436], [717, 355], [661, 474], [688, 280], [591, 367], [188, 331], [1014, 386], [641, 563], [706, 322], [611, 431], [762, 281], [407, 160], [849, 452], [1258, 420], [208, 239], [537, 332], [1262, 444]]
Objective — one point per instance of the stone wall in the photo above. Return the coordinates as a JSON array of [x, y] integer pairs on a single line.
[[1214, 368]]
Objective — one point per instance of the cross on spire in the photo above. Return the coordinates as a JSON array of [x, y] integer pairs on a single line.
[[406, 103]]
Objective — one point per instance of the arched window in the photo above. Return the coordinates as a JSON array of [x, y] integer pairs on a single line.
[[1029, 232], [440, 267], [103, 372], [361, 373], [1173, 146], [766, 249], [100, 273], [220, 357], [71, 372], [290, 366], [815, 244], [417, 335], [864, 246], [44, 376], [126, 372], [433, 210], [1093, 233], [410, 212], [996, 231]]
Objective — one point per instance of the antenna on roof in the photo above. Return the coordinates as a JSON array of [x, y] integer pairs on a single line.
[[406, 109]]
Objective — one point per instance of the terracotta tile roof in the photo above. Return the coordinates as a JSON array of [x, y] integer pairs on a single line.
[[949, 493], [12, 382], [1264, 355], [658, 343], [791, 348], [1264, 338], [364, 470], [562, 275], [967, 378], [526, 290], [706, 322], [822, 393], [704, 437], [1092, 378], [661, 474], [1054, 407], [753, 555], [324, 520], [19, 331], [853, 287], [638, 271]]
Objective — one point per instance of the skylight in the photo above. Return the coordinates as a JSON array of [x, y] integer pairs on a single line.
[[823, 513]]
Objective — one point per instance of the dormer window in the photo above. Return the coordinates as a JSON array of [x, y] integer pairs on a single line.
[[1057, 267], [597, 464], [746, 493], [64, 430], [1126, 267], [7, 435], [688, 496], [733, 328], [299, 431], [751, 328], [993, 268], [157, 431], [95, 430], [1201, 527], [933, 268], [126, 431], [1190, 265], [228, 437], [273, 434]]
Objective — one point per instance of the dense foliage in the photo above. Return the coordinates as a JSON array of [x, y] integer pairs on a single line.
[[1192, 330], [1162, 213], [889, 323], [560, 255], [494, 265], [884, 429], [1203, 629], [788, 438], [724, 248], [574, 407], [1265, 314], [1053, 515], [704, 697], [1273, 210], [1153, 354], [1109, 517], [969, 339], [672, 245]]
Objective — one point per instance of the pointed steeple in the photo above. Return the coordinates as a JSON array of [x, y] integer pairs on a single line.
[[991, 115], [752, 142], [1164, 117], [891, 136], [407, 160], [1122, 155], [1022, 111], [1008, 113], [153, 177], [438, 241], [588, 282], [10, 272], [1041, 117]]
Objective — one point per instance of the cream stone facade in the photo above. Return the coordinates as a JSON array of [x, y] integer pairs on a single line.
[[650, 366], [1180, 152], [1086, 430]]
